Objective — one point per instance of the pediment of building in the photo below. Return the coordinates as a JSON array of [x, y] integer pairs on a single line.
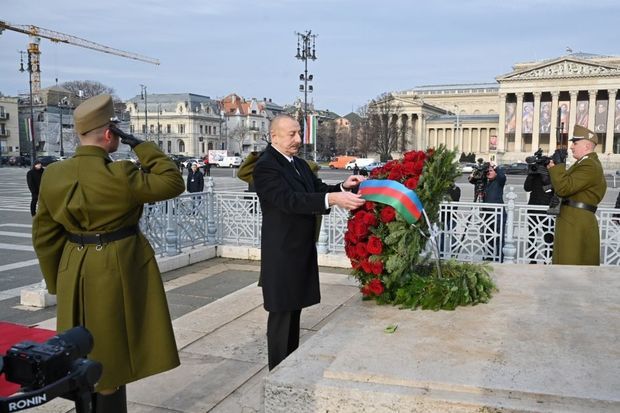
[[562, 69]]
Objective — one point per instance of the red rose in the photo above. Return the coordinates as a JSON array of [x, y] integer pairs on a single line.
[[365, 291], [409, 168], [361, 250], [355, 264], [387, 214], [370, 219], [412, 183], [375, 246], [351, 251], [377, 267], [360, 229], [410, 156], [419, 166], [369, 206], [375, 286], [359, 215], [350, 237], [395, 175], [366, 266]]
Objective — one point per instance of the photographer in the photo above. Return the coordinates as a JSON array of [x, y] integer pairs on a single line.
[[94, 257], [538, 183], [582, 187], [493, 180], [490, 190]]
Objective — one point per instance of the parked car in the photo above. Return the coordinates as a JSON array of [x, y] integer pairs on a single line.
[[518, 168], [48, 159], [360, 162], [19, 161], [467, 167], [340, 162], [369, 168], [230, 162], [190, 161]]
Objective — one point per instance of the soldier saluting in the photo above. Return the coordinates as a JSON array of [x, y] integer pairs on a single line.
[[94, 257]]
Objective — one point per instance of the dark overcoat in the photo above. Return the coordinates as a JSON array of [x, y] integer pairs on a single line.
[[290, 202], [116, 291], [576, 240]]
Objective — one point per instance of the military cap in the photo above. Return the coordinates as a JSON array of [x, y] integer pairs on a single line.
[[94, 113], [579, 133]]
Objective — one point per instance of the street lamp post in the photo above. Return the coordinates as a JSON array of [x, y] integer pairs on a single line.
[[62, 103], [457, 136], [30, 69], [143, 96], [306, 51], [159, 126]]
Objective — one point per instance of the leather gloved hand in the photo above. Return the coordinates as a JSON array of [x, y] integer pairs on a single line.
[[126, 138], [559, 156]]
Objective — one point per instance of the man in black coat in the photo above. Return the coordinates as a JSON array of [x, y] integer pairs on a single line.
[[290, 197], [33, 178], [195, 179]]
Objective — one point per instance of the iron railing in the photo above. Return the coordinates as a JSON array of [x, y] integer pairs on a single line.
[[509, 233]]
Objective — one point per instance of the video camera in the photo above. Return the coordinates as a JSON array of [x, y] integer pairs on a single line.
[[538, 163], [56, 368], [479, 171]]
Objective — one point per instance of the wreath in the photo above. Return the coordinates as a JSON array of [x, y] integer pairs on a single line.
[[392, 259]]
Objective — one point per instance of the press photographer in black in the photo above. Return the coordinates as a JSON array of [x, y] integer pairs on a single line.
[[489, 189], [538, 184]]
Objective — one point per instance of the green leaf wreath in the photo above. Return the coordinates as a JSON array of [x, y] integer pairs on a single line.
[[387, 254]]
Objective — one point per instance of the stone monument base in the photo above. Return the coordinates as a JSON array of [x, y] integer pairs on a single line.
[[547, 342]]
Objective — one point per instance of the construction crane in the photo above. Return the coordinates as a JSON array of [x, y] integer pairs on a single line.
[[34, 52]]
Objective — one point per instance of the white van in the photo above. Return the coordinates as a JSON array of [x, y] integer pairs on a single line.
[[361, 162], [230, 162]]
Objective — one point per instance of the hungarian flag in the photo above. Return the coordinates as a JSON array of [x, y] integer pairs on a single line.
[[310, 127], [398, 196]]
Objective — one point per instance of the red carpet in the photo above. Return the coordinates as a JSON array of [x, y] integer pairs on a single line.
[[14, 333]]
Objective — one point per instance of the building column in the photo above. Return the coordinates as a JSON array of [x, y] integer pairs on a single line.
[[554, 121], [611, 116], [572, 115], [422, 129], [591, 109], [501, 136], [519, 123], [536, 122]]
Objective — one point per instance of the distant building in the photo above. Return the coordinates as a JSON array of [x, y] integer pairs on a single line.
[[521, 111], [9, 126], [181, 123], [248, 122]]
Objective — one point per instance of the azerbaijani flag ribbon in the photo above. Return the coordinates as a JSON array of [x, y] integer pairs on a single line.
[[392, 193]]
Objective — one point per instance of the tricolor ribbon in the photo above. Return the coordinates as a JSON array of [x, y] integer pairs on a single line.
[[392, 193]]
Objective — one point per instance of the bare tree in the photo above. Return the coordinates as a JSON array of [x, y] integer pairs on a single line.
[[238, 135], [382, 129], [88, 88], [326, 139]]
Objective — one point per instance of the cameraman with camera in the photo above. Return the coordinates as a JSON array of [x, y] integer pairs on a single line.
[[94, 257], [489, 181], [538, 183], [582, 187]]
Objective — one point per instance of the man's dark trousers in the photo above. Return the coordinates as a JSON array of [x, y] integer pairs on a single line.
[[282, 335]]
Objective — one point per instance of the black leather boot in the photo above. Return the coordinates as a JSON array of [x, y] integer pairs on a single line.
[[110, 403]]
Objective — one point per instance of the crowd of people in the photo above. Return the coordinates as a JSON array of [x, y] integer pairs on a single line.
[[104, 273]]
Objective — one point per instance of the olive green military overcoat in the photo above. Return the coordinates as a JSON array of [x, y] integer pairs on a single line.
[[116, 292], [576, 240]]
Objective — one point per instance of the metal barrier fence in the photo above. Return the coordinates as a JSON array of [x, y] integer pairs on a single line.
[[510, 233]]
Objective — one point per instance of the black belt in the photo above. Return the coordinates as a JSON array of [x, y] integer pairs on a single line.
[[580, 205], [103, 238]]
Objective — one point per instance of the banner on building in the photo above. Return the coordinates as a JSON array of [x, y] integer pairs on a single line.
[[600, 117], [511, 117], [583, 108], [528, 117], [564, 114], [545, 117], [492, 143], [310, 127]]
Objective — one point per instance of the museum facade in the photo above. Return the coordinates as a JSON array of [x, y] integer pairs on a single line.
[[534, 106]]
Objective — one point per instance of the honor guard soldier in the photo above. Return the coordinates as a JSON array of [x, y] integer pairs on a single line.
[[94, 257], [582, 187]]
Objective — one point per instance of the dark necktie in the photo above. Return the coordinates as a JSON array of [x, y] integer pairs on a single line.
[[293, 165]]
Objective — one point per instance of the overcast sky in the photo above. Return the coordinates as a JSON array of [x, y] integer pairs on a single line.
[[364, 48]]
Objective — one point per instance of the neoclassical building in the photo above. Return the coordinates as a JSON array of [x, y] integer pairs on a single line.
[[528, 108]]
